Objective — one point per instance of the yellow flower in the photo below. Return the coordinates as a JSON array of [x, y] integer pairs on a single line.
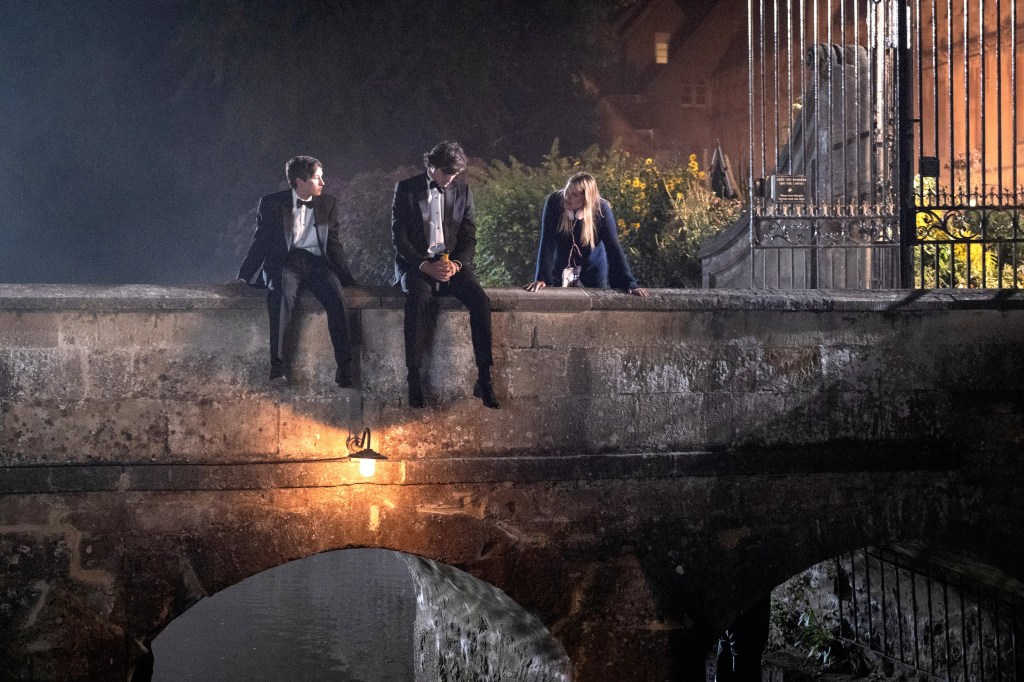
[[648, 162], [679, 196], [636, 226], [621, 223]]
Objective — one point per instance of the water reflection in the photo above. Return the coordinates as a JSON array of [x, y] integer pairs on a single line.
[[345, 616]]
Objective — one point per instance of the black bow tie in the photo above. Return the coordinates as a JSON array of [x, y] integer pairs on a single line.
[[434, 185], [300, 202]]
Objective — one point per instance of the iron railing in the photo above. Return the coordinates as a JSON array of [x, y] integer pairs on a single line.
[[966, 191], [926, 618], [886, 146]]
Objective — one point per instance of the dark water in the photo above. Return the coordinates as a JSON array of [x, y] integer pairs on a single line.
[[345, 616]]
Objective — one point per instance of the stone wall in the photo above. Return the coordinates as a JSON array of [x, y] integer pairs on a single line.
[[164, 375], [658, 464], [469, 631]]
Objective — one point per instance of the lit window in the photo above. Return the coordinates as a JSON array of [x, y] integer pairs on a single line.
[[661, 48]]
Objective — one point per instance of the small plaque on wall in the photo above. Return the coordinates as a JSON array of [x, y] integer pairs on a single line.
[[789, 189], [929, 166]]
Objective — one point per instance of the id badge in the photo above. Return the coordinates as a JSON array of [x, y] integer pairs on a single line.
[[570, 276]]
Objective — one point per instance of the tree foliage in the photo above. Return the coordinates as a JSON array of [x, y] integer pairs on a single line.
[[378, 83]]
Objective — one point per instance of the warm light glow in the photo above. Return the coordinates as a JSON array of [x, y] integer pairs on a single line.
[[367, 467], [661, 48]]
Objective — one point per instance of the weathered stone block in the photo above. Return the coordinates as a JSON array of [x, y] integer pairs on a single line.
[[382, 376], [719, 410], [863, 416], [670, 422], [528, 373], [235, 430], [92, 431], [549, 298], [956, 327], [204, 330], [593, 371], [662, 328], [180, 374], [46, 374], [775, 328], [29, 329], [318, 429], [656, 370], [784, 369], [602, 423], [517, 329], [978, 367], [110, 374]]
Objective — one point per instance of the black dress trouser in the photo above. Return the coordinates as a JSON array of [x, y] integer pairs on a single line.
[[303, 270], [420, 291]]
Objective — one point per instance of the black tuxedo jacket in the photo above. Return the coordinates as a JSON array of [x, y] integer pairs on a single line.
[[269, 248], [408, 217]]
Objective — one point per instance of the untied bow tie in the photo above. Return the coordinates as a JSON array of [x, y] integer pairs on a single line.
[[299, 203]]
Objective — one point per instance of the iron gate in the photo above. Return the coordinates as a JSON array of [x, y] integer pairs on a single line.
[[885, 143], [966, 188], [823, 144]]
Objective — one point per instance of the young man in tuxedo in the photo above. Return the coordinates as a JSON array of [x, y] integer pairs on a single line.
[[297, 246], [435, 238]]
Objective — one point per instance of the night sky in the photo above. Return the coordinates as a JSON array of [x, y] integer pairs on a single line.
[[136, 136]]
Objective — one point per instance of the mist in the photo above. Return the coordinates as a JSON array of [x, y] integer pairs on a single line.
[[136, 137]]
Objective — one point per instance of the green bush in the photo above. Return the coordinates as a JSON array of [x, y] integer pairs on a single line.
[[509, 200], [364, 211], [663, 214]]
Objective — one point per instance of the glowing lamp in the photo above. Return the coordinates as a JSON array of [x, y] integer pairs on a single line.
[[359, 450]]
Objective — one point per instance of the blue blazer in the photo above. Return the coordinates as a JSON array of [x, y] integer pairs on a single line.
[[603, 264]]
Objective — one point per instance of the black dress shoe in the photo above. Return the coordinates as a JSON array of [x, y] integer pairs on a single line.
[[343, 375], [485, 391], [277, 375], [416, 394]]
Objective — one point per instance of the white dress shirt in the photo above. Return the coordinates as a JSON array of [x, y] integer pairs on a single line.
[[435, 226], [303, 228]]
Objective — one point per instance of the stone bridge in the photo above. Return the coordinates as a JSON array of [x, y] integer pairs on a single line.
[[658, 466]]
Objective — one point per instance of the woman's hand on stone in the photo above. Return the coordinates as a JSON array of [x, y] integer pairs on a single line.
[[641, 292], [535, 286]]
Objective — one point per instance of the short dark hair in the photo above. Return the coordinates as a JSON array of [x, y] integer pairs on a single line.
[[447, 157], [301, 168]]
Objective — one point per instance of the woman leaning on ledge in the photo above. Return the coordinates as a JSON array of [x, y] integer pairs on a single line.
[[579, 243]]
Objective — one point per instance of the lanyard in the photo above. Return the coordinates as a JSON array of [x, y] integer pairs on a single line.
[[575, 250]]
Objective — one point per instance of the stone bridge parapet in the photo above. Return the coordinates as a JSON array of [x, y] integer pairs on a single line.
[[657, 465], [175, 375]]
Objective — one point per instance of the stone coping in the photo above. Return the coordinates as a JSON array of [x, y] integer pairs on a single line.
[[830, 458], [148, 297]]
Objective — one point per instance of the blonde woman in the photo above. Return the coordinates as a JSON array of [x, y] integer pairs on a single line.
[[579, 243]]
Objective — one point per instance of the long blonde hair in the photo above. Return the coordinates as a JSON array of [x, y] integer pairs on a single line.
[[585, 184]]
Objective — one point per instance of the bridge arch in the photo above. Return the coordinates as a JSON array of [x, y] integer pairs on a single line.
[[911, 556], [373, 613]]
